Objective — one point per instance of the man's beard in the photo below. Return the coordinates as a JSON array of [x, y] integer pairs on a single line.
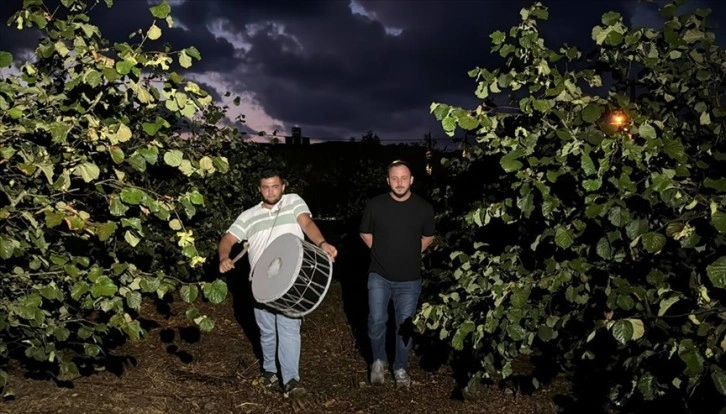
[[272, 202], [402, 195]]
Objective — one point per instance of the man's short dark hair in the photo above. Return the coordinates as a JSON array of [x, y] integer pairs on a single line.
[[270, 174], [398, 163]]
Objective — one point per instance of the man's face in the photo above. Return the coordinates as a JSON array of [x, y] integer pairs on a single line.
[[271, 190], [400, 180]]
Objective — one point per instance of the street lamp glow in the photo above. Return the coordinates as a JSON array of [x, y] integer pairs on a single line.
[[618, 119]]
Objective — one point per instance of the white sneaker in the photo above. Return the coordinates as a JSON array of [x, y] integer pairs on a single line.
[[402, 378], [377, 370]]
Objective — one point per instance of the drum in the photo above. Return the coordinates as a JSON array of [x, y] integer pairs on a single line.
[[291, 276]]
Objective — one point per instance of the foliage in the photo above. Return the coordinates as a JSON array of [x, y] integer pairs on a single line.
[[597, 242], [105, 154]]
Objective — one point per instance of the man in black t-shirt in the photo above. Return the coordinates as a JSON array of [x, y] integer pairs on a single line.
[[397, 226]]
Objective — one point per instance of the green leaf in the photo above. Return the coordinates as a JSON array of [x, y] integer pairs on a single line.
[[622, 330], [189, 293], [154, 32], [6, 59], [131, 238], [497, 37], [196, 198], [191, 313], [689, 354], [610, 18], [193, 52], [161, 11], [184, 60], [117, 207], [132, 195], [123, 133], [653, 242], [8, 152], [104, 287], [117, 154], [137, 161], [175, 224], [88, 171], [7, 247], [636, 228], [205, 323], [638, 328], [59, 132], [221, 164], [618, 216], [123, 67], [449, 124], [716, 272], [106, 230], [468, 122], [665, 304], [133, 299], [173, 158], [719, 379], [647, 131], [716, 184], [91, 350], [718, 220], [61, 333], [510, 162], [563, 237], [151, 128], [457, 342], [592, 113], [603, 248], [215, 292], [546, 333]]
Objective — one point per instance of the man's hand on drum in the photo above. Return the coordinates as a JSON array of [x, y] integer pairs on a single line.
[[225, 265], [330, 250]]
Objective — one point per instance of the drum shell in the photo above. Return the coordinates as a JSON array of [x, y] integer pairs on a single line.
[[291, 276]]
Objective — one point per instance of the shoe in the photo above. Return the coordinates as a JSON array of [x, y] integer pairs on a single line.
[[268, 379], [402, 378], [377, 370], [293, 389]]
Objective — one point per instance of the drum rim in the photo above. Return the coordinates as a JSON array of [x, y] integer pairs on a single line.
[[322, 295]]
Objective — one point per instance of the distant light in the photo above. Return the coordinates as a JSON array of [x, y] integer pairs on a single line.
[[618, 119]]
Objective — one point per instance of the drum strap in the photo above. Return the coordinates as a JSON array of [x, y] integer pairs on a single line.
[[269, 233]]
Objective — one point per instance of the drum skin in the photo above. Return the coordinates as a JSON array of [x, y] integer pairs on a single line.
[[291, 276]]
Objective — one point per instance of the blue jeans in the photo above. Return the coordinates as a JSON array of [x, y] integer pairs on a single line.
[[279, 335], [405, 299]]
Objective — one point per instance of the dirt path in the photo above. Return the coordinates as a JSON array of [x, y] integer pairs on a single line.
[[177, 370]]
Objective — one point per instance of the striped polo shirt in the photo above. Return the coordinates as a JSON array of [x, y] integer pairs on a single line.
[[260, 226]]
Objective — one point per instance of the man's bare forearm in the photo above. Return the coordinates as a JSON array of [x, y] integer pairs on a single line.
[[367, 239]]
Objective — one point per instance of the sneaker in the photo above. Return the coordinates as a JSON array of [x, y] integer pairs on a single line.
[[402, 378], [268, 379], [293, 389], [377, 370]]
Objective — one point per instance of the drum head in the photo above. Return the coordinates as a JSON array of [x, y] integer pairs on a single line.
[[277, 268]]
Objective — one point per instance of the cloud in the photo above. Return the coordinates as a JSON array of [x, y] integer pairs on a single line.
[[338, 68]]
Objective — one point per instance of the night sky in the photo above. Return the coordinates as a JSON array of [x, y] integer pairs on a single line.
[[339, 68]]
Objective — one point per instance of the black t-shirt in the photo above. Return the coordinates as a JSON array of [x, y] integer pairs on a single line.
[[397, 228]]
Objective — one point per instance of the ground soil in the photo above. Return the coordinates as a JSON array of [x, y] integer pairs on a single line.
[[178, 370]]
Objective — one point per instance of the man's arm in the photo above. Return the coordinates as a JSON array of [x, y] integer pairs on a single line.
[[426, 242], [367, 239], [224, 248], [311, 230]]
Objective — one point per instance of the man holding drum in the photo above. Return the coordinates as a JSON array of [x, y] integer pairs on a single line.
[[277, 214], [397, 226]]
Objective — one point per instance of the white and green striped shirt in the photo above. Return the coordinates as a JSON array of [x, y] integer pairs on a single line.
[[260, 226]]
